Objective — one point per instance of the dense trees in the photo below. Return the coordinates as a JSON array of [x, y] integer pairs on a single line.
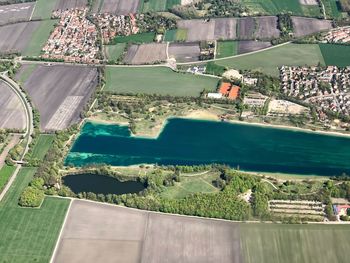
[[31, 197]]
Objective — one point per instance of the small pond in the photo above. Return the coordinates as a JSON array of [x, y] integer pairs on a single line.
[[100, 184]]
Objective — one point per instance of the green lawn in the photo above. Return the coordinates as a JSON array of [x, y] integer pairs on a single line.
[[191, 184], [275, 243], [156, 80], [44, 8], [336, 55], [158, 5], [113, 52], [226, 49], [39, 38], [137, 38], [5, 174], [42, 145], [27, 234], [268, 61]]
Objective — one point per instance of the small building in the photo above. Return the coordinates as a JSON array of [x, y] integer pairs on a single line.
[[340, 210], [214, 95]]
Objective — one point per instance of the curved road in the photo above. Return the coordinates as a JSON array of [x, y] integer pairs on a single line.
[[29, 127]]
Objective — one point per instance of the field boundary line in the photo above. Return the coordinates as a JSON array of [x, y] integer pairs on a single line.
[[61, 231], [31, 15]]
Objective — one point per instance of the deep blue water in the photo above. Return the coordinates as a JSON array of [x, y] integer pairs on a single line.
[[190, 142]]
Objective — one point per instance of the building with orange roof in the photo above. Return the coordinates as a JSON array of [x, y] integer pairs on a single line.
[[229, 91]]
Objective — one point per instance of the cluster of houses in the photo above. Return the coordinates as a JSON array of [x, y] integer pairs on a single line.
[[112, 25], [338, 35], [74, 39], [327, 88]]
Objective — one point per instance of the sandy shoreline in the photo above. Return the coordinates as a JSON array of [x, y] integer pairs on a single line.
[[204, 115]]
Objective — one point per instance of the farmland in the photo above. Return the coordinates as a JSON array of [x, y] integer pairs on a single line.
[[137, 38], [44, 8], [146, 53], [160, 80], [307, 26], [226, 49], [16, 13], [337, 55], [294, 243], [42, 145], [12, 114], [67, 4], [87, 237], [158, 5], [29, 235], [184, 52], [39, 37], [268, 61], [60, 93], [250, 46], [175, 237], [117, 7], [16, 37], [175, 35], [113, 52]]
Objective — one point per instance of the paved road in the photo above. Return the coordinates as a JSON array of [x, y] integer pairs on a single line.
[[29, 125]]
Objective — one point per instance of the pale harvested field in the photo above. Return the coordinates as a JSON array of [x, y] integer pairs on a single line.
[[216, 28], [15, 37], [246, 27], [67, 4], [146, 54], [15, 13], [184, 52], [306, 26], [267, 27], [250, 46], [308, 2], [60, 93], [12, 112], [101, 233], [117, 7]]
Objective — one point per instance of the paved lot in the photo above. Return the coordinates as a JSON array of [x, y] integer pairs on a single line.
[[12, 114], [102, 233], [60, 93], [15, 13], [15, 37]]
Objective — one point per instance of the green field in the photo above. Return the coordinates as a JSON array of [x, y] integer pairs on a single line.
[[113, 52], [275, 243], [137, 38], [226, 49], [44, 8], [5, 174], [29, 235], [39, 38], [42, 145], [175, 35], [158, 5], [156, 80], [336, 55], [190, 184], [268, 61], [331, 8]]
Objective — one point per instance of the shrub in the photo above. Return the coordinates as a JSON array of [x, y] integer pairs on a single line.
[[31, 197]]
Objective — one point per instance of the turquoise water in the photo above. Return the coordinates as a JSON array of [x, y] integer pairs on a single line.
[[191, 142]]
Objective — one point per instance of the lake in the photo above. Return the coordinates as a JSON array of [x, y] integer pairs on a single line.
[[100, 184], [193, 142]]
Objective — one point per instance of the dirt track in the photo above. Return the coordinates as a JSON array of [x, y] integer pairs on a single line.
[[102, 233]]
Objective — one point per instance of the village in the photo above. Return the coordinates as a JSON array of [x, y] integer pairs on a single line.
[[326, 88], [74, 39], [338, 35]]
